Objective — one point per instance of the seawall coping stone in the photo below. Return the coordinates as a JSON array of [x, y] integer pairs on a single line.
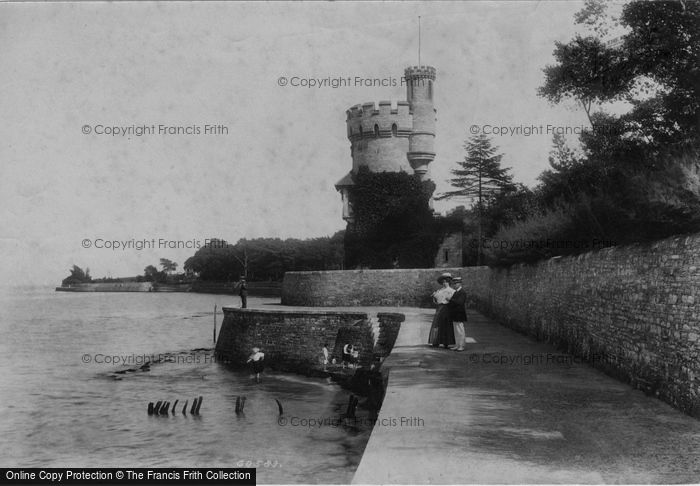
[[315, 313]]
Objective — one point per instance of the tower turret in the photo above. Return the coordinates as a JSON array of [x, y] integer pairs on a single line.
[[419, 94], [378, 135]]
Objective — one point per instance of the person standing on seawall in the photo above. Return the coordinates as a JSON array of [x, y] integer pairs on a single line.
[[243, 292], [458, 312]]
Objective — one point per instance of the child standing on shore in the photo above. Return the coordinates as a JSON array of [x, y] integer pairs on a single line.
[[325, 356], [257, 358]]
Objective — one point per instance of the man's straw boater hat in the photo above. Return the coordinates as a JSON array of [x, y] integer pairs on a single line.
[[444, 276], [457, 280]]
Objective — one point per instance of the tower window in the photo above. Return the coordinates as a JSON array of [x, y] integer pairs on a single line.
[[376, 131], [447, 256], [394, 130], [430, 89]]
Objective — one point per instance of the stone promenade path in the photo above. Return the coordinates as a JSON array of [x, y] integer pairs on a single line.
[[512, 410]]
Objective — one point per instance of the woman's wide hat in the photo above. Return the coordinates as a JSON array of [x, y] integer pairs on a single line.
[[444, 276]]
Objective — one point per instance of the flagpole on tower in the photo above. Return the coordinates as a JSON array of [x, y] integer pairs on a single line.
[[419, 41]]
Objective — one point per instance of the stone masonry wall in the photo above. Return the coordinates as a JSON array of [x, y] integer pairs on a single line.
[[449, 253], [293, 340], [631, 311], [389, 326], [411, 287]]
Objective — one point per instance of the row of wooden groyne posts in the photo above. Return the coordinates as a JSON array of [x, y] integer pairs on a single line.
[[163, 407]]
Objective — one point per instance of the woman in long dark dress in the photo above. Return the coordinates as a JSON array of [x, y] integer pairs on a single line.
[[442, 331]]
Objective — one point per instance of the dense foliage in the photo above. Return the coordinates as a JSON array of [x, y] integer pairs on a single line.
[[394, 224], [655, 68], [77, 276], [637, 177], [265, 258]]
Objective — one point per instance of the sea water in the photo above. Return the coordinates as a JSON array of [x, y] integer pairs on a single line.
[[73, 392]]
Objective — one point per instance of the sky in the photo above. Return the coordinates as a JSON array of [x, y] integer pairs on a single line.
[[69, 72]]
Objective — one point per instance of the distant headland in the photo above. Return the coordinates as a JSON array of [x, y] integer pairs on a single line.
[[160, 281]]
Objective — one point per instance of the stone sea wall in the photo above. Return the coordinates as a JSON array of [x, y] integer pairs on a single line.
[[631, 311], [293, 340], [405, 287]]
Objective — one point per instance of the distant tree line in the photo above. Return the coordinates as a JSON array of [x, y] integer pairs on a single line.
[[77, 276], [150, 274], [265, 259], [166, 275]]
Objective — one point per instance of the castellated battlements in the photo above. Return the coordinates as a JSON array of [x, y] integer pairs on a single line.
[[420, 72], [392, 138], [389, 120]]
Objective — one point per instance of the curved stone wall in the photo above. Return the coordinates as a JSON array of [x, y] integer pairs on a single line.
[[293, 340], [405, 287]]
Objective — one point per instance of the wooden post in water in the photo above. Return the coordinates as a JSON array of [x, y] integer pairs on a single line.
[[214, 323], [240, 403], [352, 405], [194, 406], [199, 405], [184, 408], [175, 405]]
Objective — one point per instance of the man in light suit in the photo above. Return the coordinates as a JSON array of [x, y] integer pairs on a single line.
[[458, 312]]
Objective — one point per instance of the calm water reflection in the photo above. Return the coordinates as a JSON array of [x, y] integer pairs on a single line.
[[62, 408]]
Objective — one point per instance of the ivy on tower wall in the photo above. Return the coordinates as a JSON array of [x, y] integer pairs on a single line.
[[393, 223]]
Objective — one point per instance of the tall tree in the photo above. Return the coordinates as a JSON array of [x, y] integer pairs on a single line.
[[654, 66], [587, 71], [168, 265], [478, 177]]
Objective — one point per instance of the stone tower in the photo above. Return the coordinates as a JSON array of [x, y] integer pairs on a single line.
[[398, 138], [421, 142]]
